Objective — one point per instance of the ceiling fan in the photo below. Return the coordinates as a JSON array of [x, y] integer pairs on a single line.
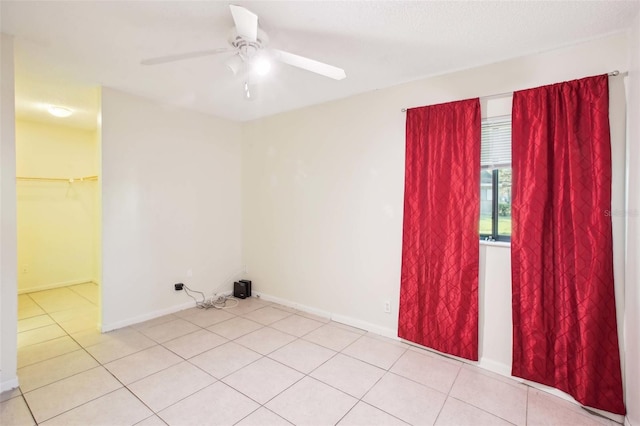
[[249, 42]]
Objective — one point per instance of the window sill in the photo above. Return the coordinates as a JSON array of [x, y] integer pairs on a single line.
[[495, 243]]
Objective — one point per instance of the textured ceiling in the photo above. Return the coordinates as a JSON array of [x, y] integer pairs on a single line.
[[64, 50]]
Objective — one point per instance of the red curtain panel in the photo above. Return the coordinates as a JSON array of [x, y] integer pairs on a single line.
[[439, 281], [564, 315]]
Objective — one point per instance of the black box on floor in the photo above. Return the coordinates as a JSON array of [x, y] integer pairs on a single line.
[[247, 283], [242, 289]]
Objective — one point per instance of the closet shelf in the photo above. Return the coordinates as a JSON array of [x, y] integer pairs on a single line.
[[47, 179]]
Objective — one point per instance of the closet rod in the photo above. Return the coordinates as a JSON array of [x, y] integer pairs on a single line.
[[46, 179], [613, 73]]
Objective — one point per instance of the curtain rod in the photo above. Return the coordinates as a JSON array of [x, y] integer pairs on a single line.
[[613, 73], [46, 179]]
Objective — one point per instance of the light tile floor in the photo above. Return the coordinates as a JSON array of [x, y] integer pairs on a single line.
[[256, 364]]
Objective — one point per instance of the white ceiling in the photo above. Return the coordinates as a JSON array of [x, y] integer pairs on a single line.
[[65, 50]]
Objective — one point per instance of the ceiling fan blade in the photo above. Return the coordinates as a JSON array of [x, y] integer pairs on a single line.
[[182, 56], [246, 22], [310, 64]]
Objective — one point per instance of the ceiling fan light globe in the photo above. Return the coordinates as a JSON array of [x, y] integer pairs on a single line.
[[261, 66]]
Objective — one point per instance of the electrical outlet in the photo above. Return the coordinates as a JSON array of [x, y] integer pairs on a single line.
[[189, 273], [387, 307], [178, 286]]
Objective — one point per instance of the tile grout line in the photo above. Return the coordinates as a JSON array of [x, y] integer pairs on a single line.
[[82, 295]]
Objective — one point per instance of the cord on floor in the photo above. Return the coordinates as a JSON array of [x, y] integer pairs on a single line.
[[220, 302]]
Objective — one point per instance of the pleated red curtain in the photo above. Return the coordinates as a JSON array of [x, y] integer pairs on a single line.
[[439, 281], [564, 316]]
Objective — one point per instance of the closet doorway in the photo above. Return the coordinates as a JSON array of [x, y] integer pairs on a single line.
[[58, 226]]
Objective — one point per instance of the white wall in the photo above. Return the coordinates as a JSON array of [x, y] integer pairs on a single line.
[[323, 193], [56, 220], [8, 286], [170, 203], [632, 294]]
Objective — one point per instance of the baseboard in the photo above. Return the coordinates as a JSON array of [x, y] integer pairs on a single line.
[[9, 384], [146, 317], [342, 319], [496, 367], [55, 285], [364, 325], [290, 304]]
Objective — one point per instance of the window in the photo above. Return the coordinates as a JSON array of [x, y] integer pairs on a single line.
[[495, 179]]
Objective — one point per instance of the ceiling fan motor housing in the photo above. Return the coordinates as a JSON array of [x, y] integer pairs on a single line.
[[245, 47]]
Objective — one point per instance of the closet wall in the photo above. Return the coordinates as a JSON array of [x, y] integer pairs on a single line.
[[56, 219]]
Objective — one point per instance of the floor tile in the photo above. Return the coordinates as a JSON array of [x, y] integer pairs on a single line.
[[332, 337], [545, 409], [54, 369], [263, 417], [263, 379], [120, 345], [155, 321], [225, 359], [29, 312], [88, 338], [169, 330], [7, 395], [409, 401], [235, 327], [436, 372], [216, 404], [49, 401], [59, 299], [302, 355], [458, 413], [375, 351], [265, 340], [39, 335], [296, 325], [75, 313], [76, 325], [169, 386], [90, 291], [195, 343], [348, 327], [266, 315], [116, 408], [348, 374], [205, 317], [34, 322], [285, 308], [365, 415], [28, 308], [65, 385], [142, 364], [247, 305], [14, 412], [310, 402], [42, 351], [494, 396], [152, 421], [314, 317]]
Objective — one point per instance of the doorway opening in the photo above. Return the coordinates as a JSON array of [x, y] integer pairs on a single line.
[[58, 218]]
